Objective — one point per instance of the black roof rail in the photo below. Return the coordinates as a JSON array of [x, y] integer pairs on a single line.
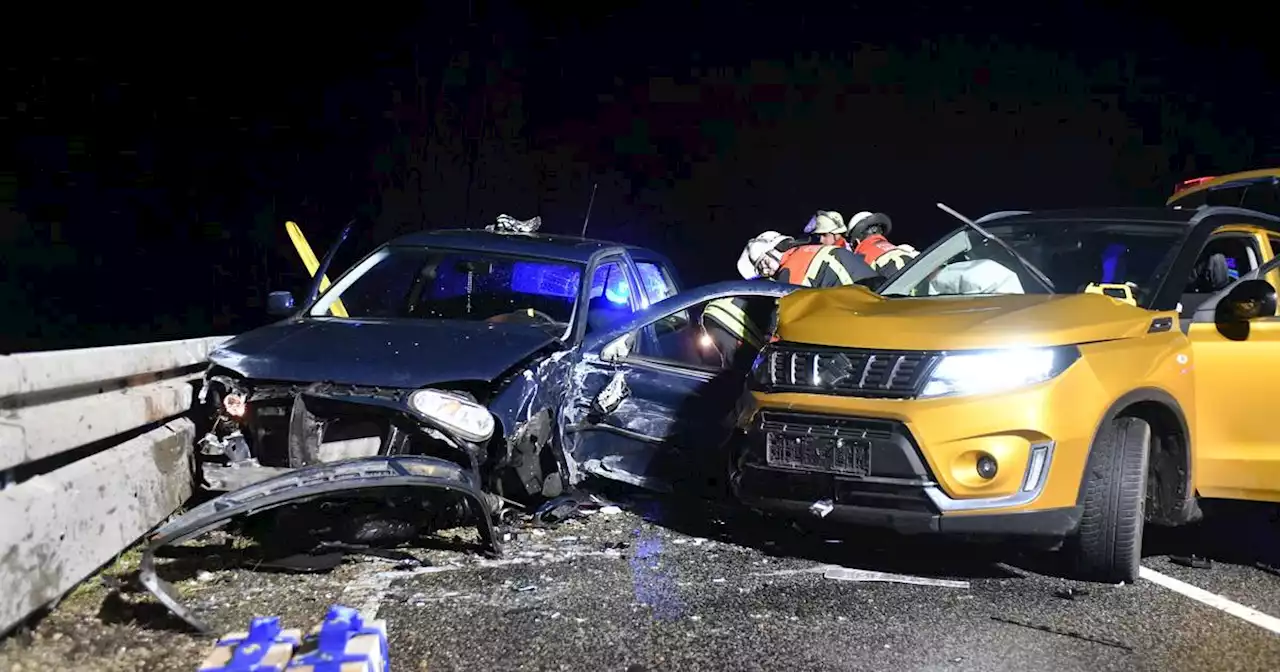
[[1206, 211]]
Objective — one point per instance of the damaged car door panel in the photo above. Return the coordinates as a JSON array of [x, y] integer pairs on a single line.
[[651, 411]]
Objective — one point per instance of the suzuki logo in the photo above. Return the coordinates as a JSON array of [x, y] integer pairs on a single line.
[[834, 368]]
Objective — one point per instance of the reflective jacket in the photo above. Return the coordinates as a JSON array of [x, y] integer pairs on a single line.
[[735, 322], [882, 255], [810, 265]]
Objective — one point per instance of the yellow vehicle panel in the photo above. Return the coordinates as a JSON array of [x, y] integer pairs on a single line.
[[1202, 184]]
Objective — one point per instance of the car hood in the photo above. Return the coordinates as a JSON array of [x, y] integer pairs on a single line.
[[856, 317], [385, 353]]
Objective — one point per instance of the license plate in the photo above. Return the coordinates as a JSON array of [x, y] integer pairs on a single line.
[[835, 454]]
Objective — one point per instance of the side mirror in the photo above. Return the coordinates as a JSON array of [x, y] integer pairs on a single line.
[[1250, 299], [618, 348], [280, 303]]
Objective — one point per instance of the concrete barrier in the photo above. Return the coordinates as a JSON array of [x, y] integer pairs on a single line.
[[95, 450]]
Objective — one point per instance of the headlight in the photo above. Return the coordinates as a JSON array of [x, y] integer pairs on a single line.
[[997, 370], [467, 419]]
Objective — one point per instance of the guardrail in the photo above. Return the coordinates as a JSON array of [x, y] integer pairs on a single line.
[[95, 450]]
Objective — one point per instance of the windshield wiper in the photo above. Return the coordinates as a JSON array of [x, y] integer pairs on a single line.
[[1030, 267]]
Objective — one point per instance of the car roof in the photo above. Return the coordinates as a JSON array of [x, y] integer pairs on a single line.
[[1152, 215], [1210, 183], [562, 248]]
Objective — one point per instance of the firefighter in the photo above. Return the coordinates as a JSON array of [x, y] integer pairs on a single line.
[[732, 325], [827, 226], [867, 234], [785, 259]]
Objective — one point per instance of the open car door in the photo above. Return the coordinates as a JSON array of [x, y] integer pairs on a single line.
[[1235, 334], [652, 400]]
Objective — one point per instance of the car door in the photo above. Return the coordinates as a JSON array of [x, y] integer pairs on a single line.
[[1237, 455], [651, 404]]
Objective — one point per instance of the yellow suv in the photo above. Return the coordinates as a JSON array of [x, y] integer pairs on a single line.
[[1252, 189], [1059, 376]]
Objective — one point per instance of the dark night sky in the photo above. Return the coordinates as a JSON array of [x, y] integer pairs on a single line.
[[153, 159]]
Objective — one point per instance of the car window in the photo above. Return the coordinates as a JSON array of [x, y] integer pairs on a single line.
[[1072, 254], [610, 299], [1232, 196], [1261, 197], [409, 282], [1240, 253], [710, 335], [1275, 245], [657, 282]]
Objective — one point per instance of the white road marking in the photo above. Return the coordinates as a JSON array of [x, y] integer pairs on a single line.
[[1219, 602]]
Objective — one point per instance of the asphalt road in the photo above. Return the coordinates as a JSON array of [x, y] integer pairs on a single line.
[[666, 587]]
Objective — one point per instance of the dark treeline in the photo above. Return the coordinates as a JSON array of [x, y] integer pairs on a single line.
[[151, 170]]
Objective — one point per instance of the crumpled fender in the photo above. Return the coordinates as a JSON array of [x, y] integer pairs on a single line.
[[304, 484]]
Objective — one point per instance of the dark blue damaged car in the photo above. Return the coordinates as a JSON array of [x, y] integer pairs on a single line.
[[508, 365]]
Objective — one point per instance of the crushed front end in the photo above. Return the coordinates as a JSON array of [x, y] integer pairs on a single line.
[[257, 429]]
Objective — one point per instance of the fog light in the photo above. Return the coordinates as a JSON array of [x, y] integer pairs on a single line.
[[987, 467]]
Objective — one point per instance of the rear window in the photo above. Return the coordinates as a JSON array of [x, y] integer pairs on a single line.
[[1260, 196]]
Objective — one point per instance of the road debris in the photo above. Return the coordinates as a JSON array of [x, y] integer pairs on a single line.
[[1070, 593], [821, 508], [1065, 633], [839, 573], [1192, 561], [846, 574]]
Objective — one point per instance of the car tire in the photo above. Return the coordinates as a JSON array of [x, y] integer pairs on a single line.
[[1107, 546]]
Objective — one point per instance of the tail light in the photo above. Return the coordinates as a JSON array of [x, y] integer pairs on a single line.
[[1193, 182]]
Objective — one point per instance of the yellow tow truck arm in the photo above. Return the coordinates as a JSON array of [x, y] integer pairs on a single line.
[[312, 263]]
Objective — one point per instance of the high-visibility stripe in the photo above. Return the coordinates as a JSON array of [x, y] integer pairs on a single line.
[[896, 256], [728, 315], [826, 257]]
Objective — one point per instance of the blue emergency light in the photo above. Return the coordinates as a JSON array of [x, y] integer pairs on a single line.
[[531, 277], [617, 290]]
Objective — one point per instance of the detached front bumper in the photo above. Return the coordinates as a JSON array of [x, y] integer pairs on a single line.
[[871, 471], [351, 477]]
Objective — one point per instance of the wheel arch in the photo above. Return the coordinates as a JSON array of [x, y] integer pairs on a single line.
[[1170, 496]]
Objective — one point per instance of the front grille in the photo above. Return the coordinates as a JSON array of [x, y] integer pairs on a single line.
[[846, 372]]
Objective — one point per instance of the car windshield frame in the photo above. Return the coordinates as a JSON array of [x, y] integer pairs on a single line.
[[320, 308], [916, 274]]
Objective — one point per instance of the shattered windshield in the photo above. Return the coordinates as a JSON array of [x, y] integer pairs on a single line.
[[1073, 255], [433, 284]]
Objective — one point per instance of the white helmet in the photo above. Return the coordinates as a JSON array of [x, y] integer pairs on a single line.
[[825, 221], [756, 249]]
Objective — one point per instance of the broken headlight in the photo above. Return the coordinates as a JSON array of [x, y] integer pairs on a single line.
[[467, 419], [997, 370]]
